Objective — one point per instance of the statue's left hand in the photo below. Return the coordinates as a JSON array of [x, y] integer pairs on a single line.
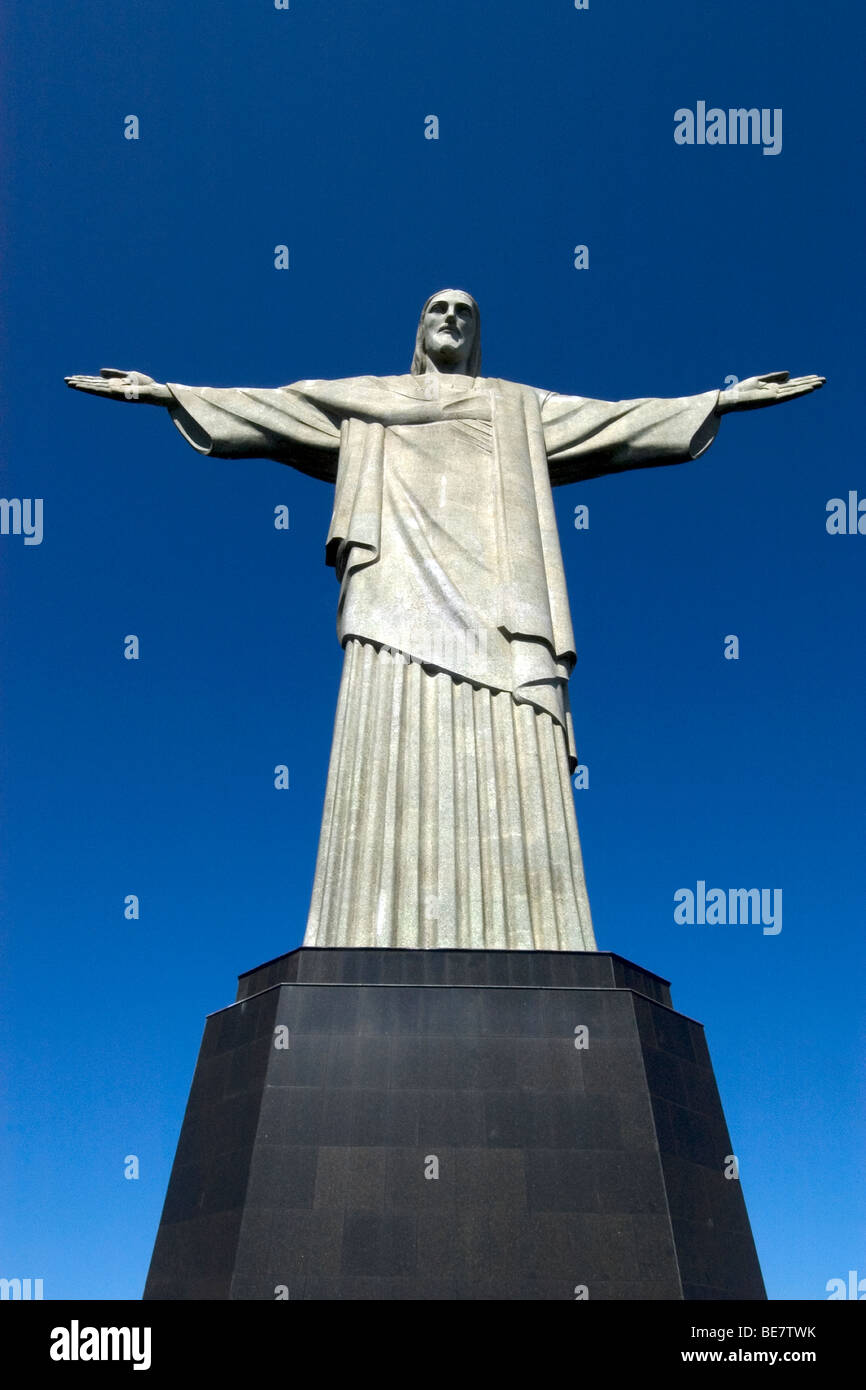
[[757, 391]]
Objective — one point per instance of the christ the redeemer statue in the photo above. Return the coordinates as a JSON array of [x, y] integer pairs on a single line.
[[449, 816]]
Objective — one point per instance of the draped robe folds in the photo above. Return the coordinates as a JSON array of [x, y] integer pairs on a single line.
[[449, 819]]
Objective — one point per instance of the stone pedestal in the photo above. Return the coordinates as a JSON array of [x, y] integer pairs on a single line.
[[392, 1124]]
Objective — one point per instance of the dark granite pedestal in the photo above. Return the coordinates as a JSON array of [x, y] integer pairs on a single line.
[[453, 1125]]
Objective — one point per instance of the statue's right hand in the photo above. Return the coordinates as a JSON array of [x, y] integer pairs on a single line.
[[122, 386]]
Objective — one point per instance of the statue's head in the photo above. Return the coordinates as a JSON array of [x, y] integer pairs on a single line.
[[449, 333]]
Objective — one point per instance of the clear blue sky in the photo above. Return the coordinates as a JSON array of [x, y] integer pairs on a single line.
[[306, 127]]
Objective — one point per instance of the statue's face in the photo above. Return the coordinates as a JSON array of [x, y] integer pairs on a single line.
[[449, 328]]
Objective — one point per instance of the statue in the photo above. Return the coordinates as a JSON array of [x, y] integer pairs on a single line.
[[449, 816]]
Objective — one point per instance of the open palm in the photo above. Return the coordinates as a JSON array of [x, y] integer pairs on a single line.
[[755, 392], [118, 385]]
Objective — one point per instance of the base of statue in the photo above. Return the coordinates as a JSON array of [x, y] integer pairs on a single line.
[[391, 1124]]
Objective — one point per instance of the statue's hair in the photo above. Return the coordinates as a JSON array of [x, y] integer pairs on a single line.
[[421, 362]]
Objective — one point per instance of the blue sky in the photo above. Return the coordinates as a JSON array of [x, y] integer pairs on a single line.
[[305, 127]]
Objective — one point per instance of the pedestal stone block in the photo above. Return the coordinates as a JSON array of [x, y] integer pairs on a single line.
[[394, 1124]]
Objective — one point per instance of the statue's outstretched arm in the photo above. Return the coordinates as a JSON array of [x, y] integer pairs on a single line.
[[278, 423], [587, 438]]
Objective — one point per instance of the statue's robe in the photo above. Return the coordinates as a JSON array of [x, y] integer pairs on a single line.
[[449, 817]]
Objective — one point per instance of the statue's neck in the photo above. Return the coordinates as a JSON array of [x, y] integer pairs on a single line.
[[442, 367]]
